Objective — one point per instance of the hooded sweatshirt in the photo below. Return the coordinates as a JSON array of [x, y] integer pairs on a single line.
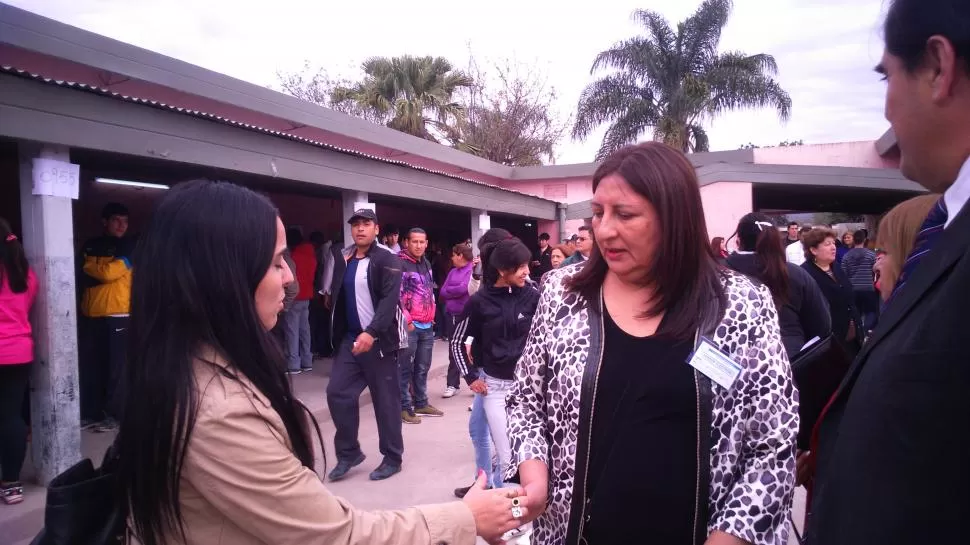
[[455, 289], [417, 291]]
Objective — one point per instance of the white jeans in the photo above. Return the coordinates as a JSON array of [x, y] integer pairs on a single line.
[[494, 404]]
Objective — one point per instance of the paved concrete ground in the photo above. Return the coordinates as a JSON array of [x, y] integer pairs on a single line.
[[438, 456]]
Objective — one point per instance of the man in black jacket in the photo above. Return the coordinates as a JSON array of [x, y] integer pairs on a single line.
[[367, 334], [892, 450]]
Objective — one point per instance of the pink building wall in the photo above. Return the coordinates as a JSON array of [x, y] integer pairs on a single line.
[[841, 154], [724, 204]]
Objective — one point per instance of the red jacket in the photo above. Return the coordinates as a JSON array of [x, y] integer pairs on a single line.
[[306, 267]]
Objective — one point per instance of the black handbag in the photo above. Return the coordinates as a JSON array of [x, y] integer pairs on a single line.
[[84, 506], [818, 370]]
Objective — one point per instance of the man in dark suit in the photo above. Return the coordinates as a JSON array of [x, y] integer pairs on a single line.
[[892, 452]]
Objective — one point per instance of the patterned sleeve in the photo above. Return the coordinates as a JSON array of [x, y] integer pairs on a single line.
[[526, 403], [756, 475]]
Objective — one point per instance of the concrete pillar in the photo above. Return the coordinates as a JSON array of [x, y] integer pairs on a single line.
[[350, 201], [561, 220], [49, 243], [481, 222]]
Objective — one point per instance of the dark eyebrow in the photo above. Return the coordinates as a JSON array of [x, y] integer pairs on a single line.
[[880, 69]]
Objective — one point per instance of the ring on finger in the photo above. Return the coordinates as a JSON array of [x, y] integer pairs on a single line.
[[516, 512], [516, 502]]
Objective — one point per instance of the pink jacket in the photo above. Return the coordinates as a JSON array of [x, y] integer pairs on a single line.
[[16, 341]]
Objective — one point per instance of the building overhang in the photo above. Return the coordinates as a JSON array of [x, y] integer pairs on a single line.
[[800, 180], [56, 113], [887, 144], [39, 35]]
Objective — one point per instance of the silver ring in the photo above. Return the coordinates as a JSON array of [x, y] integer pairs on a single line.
[[516, 502], [516, 512]]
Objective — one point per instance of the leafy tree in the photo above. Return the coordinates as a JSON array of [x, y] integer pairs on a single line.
[[317, 87], [782, 144], [414, 94], [671, 81], [510, 117]]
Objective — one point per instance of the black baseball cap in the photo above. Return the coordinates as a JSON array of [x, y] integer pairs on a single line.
[[364, 214]]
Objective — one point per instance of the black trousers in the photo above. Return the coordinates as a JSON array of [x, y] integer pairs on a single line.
[[377, 371], [104, 349], [454, 377], [13, 427], [320, 328]]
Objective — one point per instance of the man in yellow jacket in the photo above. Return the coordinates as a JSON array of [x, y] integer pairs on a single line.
[[106, 284]]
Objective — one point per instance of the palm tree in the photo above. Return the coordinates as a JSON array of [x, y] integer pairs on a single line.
[[414, 94], [673, 81]]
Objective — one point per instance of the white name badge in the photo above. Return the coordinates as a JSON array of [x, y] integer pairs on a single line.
[[715, 364]]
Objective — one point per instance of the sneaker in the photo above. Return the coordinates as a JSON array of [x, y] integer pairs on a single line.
[[428, 410], [293, 371], [449, 392], [106, 426], [409, 418], [12, 493], [385, 470], [342, 468], [306, 369], [88, 424]]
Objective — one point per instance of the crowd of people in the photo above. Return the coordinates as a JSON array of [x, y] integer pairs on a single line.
[[632, 384]]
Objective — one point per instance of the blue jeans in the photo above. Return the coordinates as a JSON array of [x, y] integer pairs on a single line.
[[296, 326], [415, 363], [481, 440]]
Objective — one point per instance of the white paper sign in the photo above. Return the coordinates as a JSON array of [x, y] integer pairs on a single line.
[[484, 222], [715, 364], [56, 178], [365, 206]]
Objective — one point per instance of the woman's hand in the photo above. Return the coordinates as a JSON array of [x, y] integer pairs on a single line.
[[535, 480], [493, 509], [479, 387]]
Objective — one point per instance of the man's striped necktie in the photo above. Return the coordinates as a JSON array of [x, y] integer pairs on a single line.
[[930, 231]]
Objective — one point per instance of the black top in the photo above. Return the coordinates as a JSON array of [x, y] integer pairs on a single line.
[[643, 454], [384, 284], [841, 299], [498, 319], [805, 315]]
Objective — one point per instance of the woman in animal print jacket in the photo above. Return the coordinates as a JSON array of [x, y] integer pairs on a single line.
[[615, 438]]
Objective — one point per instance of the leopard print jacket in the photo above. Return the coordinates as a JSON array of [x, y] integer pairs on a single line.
[[753, 424]]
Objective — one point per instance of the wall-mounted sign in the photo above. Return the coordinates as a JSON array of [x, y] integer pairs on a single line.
[[55, 178], [484, 222]]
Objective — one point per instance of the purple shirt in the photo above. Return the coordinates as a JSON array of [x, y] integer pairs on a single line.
[[455, 289]]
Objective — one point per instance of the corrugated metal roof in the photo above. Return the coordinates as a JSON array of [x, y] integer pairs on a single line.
[[220, 119]]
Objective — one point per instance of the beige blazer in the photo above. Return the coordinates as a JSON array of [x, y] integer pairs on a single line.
[[242, 485]]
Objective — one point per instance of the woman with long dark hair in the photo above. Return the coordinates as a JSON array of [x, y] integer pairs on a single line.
[[214, 448], [802, 311], [18, 289], [615, 436]]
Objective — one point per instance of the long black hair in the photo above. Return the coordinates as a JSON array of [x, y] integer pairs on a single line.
[[207, 248], [757, 233], [13, 263]]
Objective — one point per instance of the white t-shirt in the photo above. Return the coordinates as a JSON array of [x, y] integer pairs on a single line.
[[795, 253]]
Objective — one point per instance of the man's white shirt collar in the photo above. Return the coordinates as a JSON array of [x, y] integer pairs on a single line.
[[956, 195]]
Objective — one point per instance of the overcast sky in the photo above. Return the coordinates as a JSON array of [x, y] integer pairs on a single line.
[[825, 48]]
